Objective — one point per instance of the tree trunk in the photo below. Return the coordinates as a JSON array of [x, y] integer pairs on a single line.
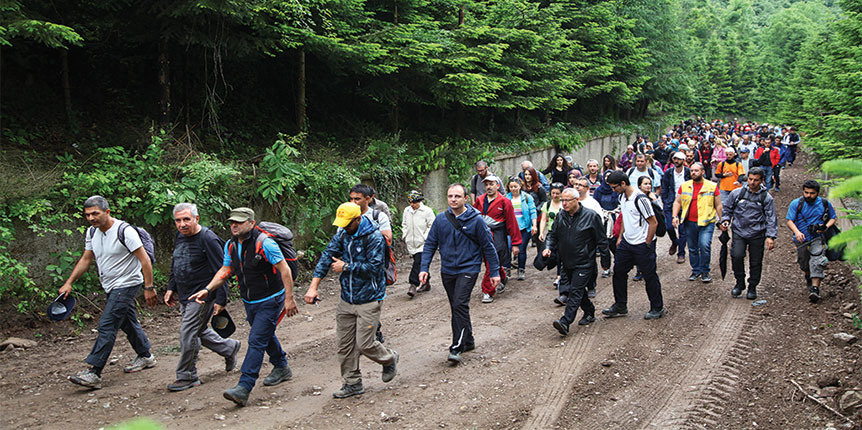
[[396, 114], [300, 93], [164, 84], [461, 16], [395, 15], [67, 87], [645, 108]]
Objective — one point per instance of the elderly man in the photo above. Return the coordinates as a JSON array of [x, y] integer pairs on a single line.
[[266, 288], [197, 257]]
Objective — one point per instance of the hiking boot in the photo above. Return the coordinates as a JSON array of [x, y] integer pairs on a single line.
[[140, 363], [238, 395], [615, 311], [638, 276], [183, 384], [591, 293], [424, 287], [606, 273], [277, 376], [411, 291], [587, 320], [520, 274], [454, 357], [561, 327], [389, 370], [752, 293], [736, 291], [680, 259], [814, 294], [349, 391], [705, 278], [673, 249], [561, 300], [486, 298], [87, 378], [655, 314], [230, 360], [693, 276]]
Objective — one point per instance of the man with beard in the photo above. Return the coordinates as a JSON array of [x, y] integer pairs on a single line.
[[698, 208], [805, 218], [729, 172]]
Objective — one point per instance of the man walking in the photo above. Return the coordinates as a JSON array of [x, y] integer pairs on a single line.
[[356, 251], [750, 215], [198, 254], [266, 288], [415, 224], [808, 217], [728, 173], [671, 180], [585, 200], [124, 269], [463, 239], [363, 195], [697, 205], [634, 248], [499, 215], [577, 234]]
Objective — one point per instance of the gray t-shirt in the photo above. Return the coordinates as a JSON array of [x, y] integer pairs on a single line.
[[382, 219], [118, 267]]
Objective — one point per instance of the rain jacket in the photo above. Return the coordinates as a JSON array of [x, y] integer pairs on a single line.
[[363, 279]]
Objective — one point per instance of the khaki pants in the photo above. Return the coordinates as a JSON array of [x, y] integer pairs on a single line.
[[355, 328]]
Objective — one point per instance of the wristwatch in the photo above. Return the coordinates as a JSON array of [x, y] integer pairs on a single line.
[[150, 288]]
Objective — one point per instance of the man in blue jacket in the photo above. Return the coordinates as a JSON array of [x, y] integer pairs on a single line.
[[671, 180], [462, 238], [357, 253]]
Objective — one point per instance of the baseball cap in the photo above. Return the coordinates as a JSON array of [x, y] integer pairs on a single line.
[[241, 214], [744, 149], [346, 213], [61, 307], [491, 178], [679, 155]]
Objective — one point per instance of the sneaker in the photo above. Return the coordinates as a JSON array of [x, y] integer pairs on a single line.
[[500, 287], [777, 189], [470, 347], [454, 357], [606, 273], [486, 298], [587, 320], [705, 278], [561, 327], [349, 391], [183, 384], [615, 311], [591, 293], [277, 376], [814, 294], [693, 276], [655, 314], [680, 259], [752, 293], [230, 360], [736, 291], [673, 249], [507, 271], [520, 274], [238, 395], [411, 291], [424, 287], [87, 378], [561, 300], [140, 363], [389, 370], [638, 276]]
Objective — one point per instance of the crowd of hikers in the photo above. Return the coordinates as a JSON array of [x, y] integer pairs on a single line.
[[601, 218]]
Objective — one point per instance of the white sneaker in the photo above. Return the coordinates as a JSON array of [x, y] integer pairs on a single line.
[[140, 363], [487, 298]]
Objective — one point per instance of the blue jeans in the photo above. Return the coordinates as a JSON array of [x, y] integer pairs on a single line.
[[699, 246], [119, 314], [768, 173], [522, 249], [261, 337]]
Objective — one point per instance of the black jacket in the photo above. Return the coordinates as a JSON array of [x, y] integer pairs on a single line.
[[575, 238]]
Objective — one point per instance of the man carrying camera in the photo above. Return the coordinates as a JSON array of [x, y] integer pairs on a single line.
[[808, 217]]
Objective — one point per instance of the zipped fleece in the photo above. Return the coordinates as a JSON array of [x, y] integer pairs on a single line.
[[363, 280], [458, 252]]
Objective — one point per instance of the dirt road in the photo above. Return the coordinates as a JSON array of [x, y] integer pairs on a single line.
[[712, 362]]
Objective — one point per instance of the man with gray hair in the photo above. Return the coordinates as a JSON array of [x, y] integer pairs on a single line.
[[124, 269], [197, 257]]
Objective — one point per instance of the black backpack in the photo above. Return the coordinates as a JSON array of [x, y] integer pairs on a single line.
[[661, 228], [146, 239]]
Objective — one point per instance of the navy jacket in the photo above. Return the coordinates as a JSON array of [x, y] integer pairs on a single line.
[[607, 198], [460, 252], [668, 190], [364, 280]]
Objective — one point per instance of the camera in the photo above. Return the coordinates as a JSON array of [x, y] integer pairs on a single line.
[[814, 229]]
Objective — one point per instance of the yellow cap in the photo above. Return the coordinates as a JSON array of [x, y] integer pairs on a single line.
[[346, 213]]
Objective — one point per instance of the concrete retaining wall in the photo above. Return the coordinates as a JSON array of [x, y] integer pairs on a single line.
[[503, 165]]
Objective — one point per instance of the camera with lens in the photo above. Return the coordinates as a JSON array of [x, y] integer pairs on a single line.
[[815, 229]]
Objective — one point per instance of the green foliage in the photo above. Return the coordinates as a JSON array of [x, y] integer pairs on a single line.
[[16, 23], [137, 424]]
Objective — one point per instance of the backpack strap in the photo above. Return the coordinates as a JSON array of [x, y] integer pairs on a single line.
[[121, 234], [458, 226], [825, 210]]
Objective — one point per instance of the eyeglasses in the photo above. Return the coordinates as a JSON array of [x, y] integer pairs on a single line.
[[566, 200]]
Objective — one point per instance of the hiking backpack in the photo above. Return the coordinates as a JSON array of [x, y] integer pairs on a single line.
[[389, 266], [661, 228], [283, 237], [146, 239]]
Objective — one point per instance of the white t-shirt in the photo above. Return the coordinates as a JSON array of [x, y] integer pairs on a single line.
[[118, 267], [655, 178], [592, 204], [678, 178], [636, 227]]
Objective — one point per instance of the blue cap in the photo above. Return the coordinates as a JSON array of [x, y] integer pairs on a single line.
[[743, 149], [61, 308]]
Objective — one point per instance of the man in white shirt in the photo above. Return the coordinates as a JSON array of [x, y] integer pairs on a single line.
[[634, 248]]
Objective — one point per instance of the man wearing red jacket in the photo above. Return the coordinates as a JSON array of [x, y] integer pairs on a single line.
[[767, 157], [499, 214]]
